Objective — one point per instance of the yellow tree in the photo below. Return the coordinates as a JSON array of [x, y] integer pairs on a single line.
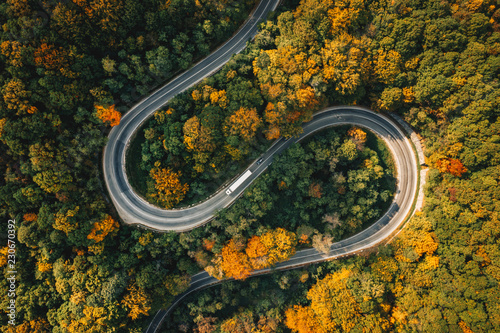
[[13, 51], [240, 323], [3, 256], [197, 137], [306, 98], [280, 244], [137, 301], [65, 220], [19, 7], [358, 136], [3, 121], [17, 98], [272, 116], [44, 266], [169, 189], [244, 123], [333, 303], [218, 97], [107, 13], [272, 91], [38, 325], [387, 65], [339, 19], [346, 62]]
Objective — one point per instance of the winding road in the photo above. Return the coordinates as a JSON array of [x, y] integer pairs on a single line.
[[134, 210], [130, 206], [406, 192]]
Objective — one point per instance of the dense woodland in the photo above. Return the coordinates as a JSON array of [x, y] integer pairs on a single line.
[[69, 68], [318, 191], [437, 64]]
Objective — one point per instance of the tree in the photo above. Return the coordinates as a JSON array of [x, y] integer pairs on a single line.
[[37, 325], [17, 98], [205, 325], [358, 136], [280, 244], [391, 99], [169, 189], [241, 323], [387, 65], [3, 121], [315, 190], [50, 57], [322, 243], [53, 181], [333, 303], [452, 166], [108, 114], [257, 253], [302, 319], [102, 228], [177, 284], [137, 301], [348, 150], [234, 263], [13, 50], [66, 221], [272, 117], [3, 256], [197, 137], [244, 123]]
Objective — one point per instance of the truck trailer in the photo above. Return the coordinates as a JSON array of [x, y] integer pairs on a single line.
[[238, 182]]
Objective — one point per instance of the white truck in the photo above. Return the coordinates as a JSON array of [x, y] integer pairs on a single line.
[[238, 182]]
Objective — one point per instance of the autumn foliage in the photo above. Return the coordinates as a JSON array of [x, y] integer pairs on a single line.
[[451, 165], [37, 325], [235, 263], [169, 189], [240, 323], [108, 114], [3, 256], [102, 228], [333, 307], [50, 57], [197, 137], [315, 190], [302, 319], [244, 123], [65, 220], [16, 97], [136, 301], [358, 136], [257, 252], [237, 260]]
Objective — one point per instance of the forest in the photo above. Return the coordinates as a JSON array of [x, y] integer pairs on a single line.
[[437, 65], [69, 69]]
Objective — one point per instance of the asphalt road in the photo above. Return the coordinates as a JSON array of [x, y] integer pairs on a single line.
[[406, 193], [132, 208]]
